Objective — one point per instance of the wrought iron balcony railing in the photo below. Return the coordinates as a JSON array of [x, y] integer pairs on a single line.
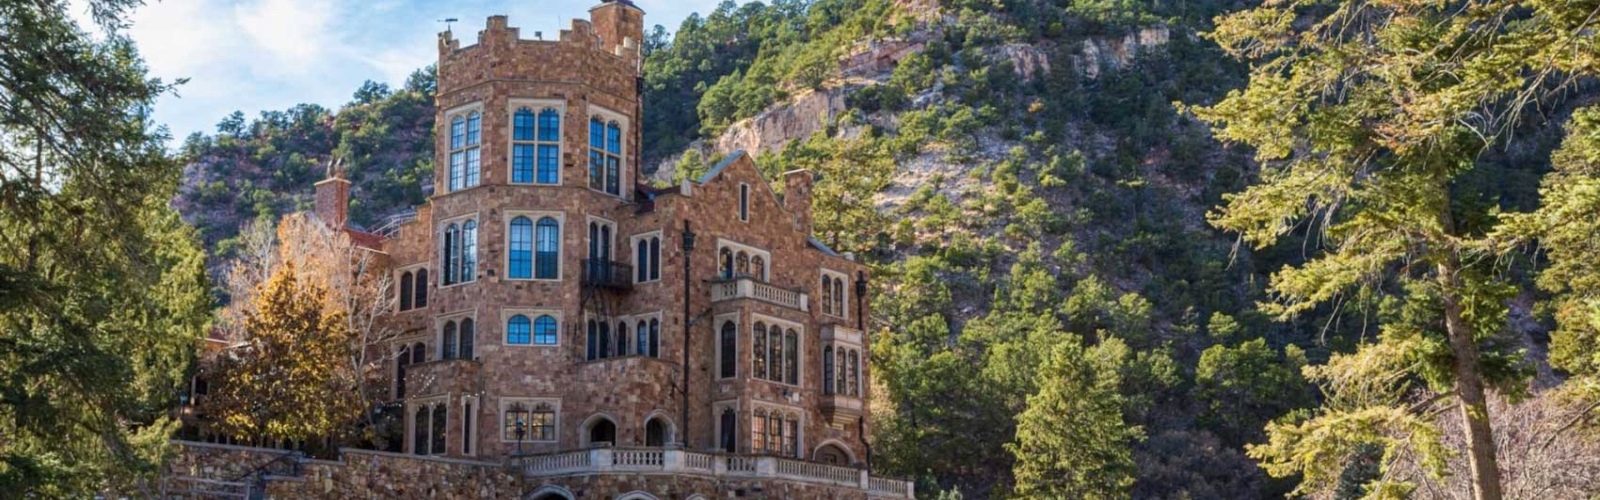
[[607, 274]]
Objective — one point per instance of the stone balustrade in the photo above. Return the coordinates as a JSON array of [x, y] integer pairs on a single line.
[[747, 287], [624, 460]]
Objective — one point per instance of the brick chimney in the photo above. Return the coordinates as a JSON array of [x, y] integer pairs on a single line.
[[618, 23], [333, 200], [797, 197]]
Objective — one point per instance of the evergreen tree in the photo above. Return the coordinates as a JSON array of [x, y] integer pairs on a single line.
[[103, 294], [1072, 442]]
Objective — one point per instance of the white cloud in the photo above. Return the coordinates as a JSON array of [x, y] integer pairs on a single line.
[[295, 33]]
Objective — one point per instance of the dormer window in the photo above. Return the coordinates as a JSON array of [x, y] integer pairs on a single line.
[[465, 136], [605, 155], [535, 146]]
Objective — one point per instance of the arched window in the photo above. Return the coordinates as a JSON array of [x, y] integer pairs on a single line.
[[655, 258], [725, 257], [419, 431], [549, 125], [758, 431], [791, 354], [438, 429], [468, 335], [422, 288], [742, 264], [544, 331], [855, 374], [419, 353], [843, 372], [549, 248], [400, 372], [827, 370], [827, 294], [474, 127], [605, 340], [791, 436], [641, 262], [458, 135], [655, 338], [758, 266], [517, 330], [730, 349], [521, 248], [655, 433], [447, 348], [522, 125], [774, 433], [605, 246], [597, 156], [469, 251], [730, 430], [405, 291], [838, 297], [622, 338], [613, 158], [760, 349], [775, 354], [642, 340], [594, 341], [451, 256]]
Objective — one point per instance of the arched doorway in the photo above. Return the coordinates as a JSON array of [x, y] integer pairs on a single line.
[[602, 432], [832, 453], [550, 492]]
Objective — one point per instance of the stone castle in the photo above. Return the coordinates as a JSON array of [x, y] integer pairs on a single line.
[[571, 332]]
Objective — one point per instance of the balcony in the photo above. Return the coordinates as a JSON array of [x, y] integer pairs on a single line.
[[747, 287], [721, 466], [607, 274]]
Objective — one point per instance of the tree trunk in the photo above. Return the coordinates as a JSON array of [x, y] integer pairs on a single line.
[[1469, 388]]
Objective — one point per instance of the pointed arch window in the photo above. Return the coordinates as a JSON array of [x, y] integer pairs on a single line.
[[450, 257], [759, 349], [725, 257], [827, 294], [791, 355], [419, 431], [548, 246], [405, 291], [422, 288], [758, 431], [468, 338], [730, 432], [460, 253], [594, 341], [655, 338], [605, 340], [622, 338], [437, 430], [729, 350], [447, 343], [641, 339], [469, 251], [521, 252], [855, 374], [775, 354]]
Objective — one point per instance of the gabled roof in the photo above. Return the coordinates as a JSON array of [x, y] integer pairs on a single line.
[[712, 174], [821, 246]]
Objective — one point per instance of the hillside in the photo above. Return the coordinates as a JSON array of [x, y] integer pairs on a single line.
[[1018, 174]]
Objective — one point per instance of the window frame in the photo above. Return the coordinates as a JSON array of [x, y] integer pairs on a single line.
[[533, 315], [532, 403], [536, 106], [624, 124], [456, 317], [652, 269], [800, 351], [744, 202], [465, 112], [842, 312], [533, 216], [735, 247], [443, 226]]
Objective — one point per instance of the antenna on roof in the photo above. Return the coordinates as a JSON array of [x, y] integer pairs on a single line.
[[447, 22]]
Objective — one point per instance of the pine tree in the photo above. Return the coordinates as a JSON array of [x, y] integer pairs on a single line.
[[1366, 117], [1072, 442], [103, 292]]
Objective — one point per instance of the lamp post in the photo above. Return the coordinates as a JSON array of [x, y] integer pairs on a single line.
[[522, 431], [683, 415]]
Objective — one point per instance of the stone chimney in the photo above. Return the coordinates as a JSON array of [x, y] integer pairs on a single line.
[[797, 197], [333, 200], [619, 23]]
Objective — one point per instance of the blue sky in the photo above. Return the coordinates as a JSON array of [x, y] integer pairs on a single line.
[[254, 55]]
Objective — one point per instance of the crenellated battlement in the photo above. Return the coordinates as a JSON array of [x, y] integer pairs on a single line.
[[602, 52]]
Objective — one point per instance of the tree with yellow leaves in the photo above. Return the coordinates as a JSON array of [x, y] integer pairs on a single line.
[[282, 382]]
